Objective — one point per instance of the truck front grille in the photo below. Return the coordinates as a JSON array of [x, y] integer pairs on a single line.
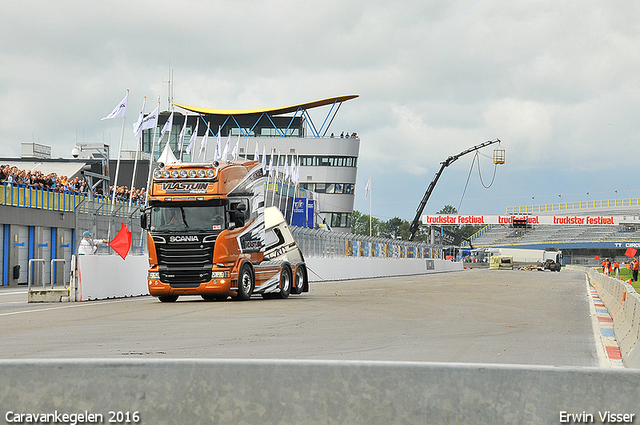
[[183, 264]]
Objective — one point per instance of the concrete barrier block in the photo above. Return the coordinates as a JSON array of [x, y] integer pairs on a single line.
[[109, 276], [631, 358], [624, 323], [622, 326], [48, 296], [277, 392], [630, 348]]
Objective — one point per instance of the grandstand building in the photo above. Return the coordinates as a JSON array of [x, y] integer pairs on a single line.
[[328, 161], [580, 243]]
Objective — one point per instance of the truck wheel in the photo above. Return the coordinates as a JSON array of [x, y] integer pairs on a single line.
[[285, 283], [168, 298], [301, 279], [246, 282]]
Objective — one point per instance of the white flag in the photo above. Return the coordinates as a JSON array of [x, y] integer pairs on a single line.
[[296, 174], [167, 125], [271, 163], [120, 110], [264, 158], [203, 145], [225, 152], [192, 140], [256, 154], [182, 133], [217, 154], [150, 121], [367, 188], [286, 166], [234, 154], [136, 125]]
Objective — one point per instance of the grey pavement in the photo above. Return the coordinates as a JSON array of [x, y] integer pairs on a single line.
[[473, 316]]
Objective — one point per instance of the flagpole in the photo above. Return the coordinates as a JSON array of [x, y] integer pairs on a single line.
[[370, 196], [182, 134], [273, 198], [271, 169], [135, 166], [115, 180], [282, 189], [153, 148], [295, 186], [246, 150], [170, 127], [204, 158]]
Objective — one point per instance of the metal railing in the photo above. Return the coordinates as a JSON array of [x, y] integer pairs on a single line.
[[42, 261], [103, 219], [564, 206], [328, 244]]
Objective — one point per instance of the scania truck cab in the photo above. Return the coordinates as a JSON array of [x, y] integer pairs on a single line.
[[206, 234]]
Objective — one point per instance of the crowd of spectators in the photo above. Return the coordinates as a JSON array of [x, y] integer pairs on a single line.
[[14, 176]]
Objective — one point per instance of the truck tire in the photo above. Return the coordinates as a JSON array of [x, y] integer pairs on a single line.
[[168, 298], [246, 282], [286, 281], [300, 279]]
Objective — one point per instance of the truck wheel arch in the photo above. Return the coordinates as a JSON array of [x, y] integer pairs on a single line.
[[246, 281]]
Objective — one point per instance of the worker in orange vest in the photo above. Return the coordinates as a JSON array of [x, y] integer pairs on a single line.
[[634, 269], [616, 268]]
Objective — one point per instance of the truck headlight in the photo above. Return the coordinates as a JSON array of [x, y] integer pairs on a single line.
[[153, 276]]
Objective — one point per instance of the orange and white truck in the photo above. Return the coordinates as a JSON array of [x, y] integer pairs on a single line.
[[209, 234]]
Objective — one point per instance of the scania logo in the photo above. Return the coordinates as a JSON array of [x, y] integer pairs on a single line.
[[183, 239]]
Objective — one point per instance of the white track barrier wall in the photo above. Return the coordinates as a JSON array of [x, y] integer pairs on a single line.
[[109, 276], [264, 392], [623, 304], [362, 268]]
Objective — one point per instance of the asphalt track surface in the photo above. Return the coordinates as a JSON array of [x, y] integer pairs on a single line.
[[472, 316]]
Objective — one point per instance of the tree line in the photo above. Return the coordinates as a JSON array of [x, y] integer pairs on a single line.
[[398, 228]]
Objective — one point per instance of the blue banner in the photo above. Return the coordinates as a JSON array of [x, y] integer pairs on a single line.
[[299, 217], [311, 223]]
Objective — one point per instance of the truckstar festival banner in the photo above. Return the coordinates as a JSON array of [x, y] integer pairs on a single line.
[[448, 219]]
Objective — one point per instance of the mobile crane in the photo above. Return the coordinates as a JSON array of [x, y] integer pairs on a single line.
[[498, 158]]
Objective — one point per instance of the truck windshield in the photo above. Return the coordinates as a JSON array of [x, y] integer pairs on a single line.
[[177, 218]]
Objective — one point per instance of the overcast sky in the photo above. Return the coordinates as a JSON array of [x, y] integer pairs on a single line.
[[557, 82]]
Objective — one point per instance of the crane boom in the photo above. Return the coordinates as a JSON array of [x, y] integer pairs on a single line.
[[415, 224]]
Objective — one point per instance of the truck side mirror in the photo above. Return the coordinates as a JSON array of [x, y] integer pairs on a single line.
[[238, 218]]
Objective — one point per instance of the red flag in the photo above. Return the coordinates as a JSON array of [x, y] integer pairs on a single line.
[[597, 257], [631, 252], [122, 242]]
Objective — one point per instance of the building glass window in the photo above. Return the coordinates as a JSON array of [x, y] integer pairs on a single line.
[[340, 219]]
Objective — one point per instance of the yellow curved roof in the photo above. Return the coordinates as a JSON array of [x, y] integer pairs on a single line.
[[271, 111]]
